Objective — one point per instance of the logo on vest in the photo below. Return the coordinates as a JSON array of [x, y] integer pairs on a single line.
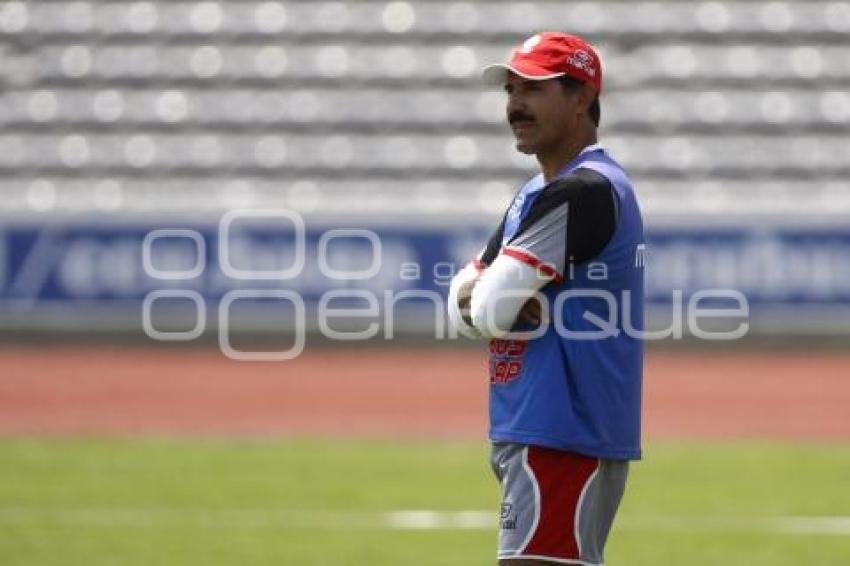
[[506, 360], [516, 206], [640, 255]]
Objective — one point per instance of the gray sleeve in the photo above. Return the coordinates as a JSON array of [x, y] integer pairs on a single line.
[[544, 243]]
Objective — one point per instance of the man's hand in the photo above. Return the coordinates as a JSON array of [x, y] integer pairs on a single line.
[[464, 298], [531, 312], [460, 300]]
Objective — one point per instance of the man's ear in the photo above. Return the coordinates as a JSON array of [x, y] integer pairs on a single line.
[[586, 96]]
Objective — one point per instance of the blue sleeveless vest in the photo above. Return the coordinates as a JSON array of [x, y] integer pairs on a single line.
[[579, 390]]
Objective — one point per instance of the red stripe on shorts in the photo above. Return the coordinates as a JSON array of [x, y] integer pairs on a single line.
[[561, 478]]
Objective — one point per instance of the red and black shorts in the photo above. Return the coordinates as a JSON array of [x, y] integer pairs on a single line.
[[556, 506]]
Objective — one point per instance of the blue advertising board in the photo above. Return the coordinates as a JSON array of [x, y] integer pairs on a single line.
[[103, 266]]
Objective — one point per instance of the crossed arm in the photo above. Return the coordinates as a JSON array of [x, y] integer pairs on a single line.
[[570, 221], [488, 302]]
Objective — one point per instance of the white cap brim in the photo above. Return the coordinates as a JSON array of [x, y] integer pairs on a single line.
[[497, 74]]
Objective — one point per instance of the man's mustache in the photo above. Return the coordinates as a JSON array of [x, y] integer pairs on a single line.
[[519, 116]]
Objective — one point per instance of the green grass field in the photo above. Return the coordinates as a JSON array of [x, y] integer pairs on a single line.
[[246, 502]]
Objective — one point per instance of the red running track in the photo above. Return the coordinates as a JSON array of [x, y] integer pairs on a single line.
[[401, 393]]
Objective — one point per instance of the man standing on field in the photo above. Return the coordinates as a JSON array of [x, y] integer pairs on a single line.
[[558, 290]]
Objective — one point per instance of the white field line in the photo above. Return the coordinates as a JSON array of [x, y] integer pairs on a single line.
[[422, 519]]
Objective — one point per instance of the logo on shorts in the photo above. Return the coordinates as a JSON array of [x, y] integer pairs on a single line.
[[507, 522]]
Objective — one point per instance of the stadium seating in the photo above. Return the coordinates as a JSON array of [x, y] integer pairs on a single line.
[[333, 107]]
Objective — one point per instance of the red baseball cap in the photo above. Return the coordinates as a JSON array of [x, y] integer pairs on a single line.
[[548, 55]]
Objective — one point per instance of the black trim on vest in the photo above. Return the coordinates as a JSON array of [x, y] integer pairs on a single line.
[[494, 245], [592, 213]]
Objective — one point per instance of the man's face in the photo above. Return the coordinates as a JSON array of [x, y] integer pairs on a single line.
[[540, 113]]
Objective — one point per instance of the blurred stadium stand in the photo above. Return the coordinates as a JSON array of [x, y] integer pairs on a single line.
[[130, 106], [725, 113]]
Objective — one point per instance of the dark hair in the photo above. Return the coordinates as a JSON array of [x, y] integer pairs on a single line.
[[570, 84]]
